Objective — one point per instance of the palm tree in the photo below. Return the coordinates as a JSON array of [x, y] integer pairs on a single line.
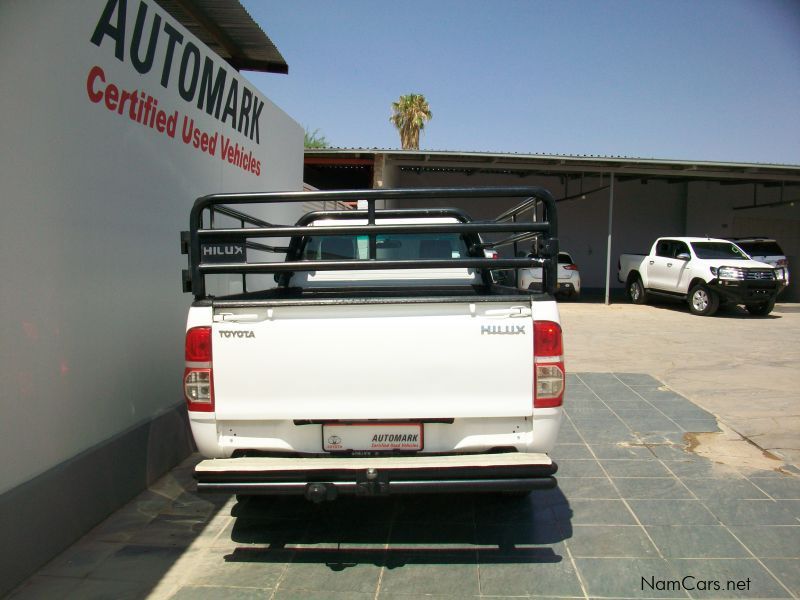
[[409, 115], [314, 139]]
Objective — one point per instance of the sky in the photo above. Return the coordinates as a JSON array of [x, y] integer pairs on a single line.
[[704, 80]]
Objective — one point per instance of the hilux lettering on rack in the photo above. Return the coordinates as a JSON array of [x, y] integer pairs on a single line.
[[227, 251], [362, 372]]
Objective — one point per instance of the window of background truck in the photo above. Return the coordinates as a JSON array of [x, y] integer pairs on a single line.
[[390, 247], [761, 248], [664, 248], [679, 248], [712, 250]]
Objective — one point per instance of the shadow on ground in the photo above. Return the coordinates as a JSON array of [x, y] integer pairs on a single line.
[[725, 311], [393, 532]]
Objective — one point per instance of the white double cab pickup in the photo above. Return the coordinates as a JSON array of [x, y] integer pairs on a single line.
[[386, 360], [703, 271]]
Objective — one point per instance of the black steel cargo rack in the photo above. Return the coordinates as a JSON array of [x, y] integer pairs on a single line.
[[214, 250]]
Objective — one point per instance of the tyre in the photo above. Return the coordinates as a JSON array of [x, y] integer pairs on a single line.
[[760, 310], [636, 291], [703, 301], [563, 296]]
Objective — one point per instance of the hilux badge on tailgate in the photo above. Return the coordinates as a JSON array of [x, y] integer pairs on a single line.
[[502, 329]]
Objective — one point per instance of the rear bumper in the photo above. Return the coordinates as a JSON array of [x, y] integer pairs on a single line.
[[564, 288], [567, 289], [325, 478]]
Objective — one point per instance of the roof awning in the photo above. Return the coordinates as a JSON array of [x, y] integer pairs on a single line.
[[229, 30]]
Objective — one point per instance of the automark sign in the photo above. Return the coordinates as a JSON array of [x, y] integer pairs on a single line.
[[109, 137], [137, 36]]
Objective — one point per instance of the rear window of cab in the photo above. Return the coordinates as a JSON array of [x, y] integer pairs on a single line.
[[390, 247], [761, 248]]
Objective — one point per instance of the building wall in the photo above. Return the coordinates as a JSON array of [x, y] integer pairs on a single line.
[[91, 342], [722, 210], [711, 206], [641, 213]]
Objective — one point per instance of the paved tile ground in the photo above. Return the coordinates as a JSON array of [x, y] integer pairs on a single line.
[[635, 515]]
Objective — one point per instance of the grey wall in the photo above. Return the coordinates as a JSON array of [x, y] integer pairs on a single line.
[[641, 213], [91, 339], [713, 211], [93, 204]]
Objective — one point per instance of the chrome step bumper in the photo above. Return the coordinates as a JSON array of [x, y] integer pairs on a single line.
[[325, 478]]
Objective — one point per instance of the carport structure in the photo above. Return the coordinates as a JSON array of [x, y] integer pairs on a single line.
[[609, 205]]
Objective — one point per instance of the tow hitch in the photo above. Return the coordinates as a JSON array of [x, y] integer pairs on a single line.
[[321, 492]]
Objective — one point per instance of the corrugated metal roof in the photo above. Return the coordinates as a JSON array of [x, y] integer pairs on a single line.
[[454, 154], [228, 29]]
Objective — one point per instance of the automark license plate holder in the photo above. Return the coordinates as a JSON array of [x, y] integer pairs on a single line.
[[372, 437]]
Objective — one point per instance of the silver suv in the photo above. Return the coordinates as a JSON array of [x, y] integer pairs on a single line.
[[768, 251]]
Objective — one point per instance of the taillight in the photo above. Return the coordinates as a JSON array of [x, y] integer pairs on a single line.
[[491, 253], [198, 377], [198, 344], [571, 267], [547, 340], [548, 358]]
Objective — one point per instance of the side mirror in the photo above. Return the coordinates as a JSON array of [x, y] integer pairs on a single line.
[[683, 256]]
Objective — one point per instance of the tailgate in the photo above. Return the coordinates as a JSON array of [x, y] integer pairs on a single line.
[[373, 361]]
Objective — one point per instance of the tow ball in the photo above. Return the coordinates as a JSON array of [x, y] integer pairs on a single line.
[[372, 486], [318, 492], [321, 492]]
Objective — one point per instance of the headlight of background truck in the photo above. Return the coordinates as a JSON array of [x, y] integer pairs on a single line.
[[728, 273]]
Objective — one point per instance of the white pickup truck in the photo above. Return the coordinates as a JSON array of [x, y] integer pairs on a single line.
[[385, 361], [703, 271]]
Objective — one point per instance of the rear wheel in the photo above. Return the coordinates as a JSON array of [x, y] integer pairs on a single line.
[[760, 310], [636, 291], [703, 301]]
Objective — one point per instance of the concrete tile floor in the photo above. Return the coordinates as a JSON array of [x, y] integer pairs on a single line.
[[635, 513], [740, 368]]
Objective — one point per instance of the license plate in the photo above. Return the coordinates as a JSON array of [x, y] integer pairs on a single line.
[[372, 436]]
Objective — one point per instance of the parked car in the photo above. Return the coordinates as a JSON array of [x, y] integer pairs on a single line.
[[768, 251], [703, 271], [367, 369], [569, 278]]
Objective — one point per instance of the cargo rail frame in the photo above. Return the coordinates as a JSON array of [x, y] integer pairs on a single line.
[[199, 238]]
